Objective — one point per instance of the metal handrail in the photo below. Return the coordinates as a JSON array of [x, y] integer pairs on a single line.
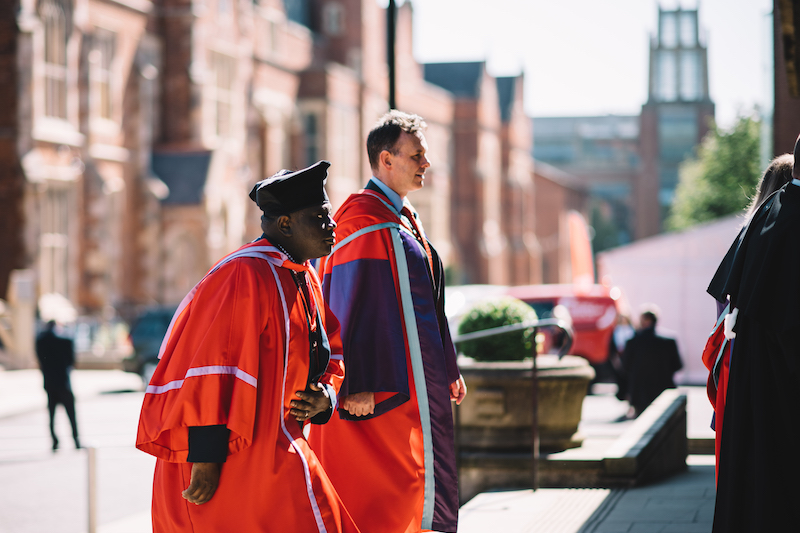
[[565, 347], [547, 322]]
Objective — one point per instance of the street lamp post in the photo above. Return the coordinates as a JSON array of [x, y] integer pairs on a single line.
[[391, 27]]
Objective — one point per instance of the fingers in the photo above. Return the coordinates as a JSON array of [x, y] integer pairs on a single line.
[[203, 483], [313, 387], [301, 410], [462, 394], [197, 495], [359, 404], [359, 410], [458, 390], [311, 402], [300, 414], [318, 394]]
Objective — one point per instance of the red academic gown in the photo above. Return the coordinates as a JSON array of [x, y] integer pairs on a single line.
[[717, 359], [235, 354], [395, 470]]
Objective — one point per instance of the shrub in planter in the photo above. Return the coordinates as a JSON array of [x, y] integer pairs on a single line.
[[513, 346]]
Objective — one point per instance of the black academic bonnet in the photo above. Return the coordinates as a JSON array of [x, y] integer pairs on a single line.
[[288, 191]]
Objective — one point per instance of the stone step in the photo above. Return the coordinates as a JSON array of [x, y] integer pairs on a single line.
[[654, 446]]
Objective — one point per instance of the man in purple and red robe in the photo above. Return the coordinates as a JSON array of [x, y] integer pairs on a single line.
[[389, 450]]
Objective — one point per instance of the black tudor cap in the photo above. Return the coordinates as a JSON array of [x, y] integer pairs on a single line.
[[289, 191]]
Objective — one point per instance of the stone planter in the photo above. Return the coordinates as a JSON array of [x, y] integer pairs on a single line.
[[496, 416], [494, 420]]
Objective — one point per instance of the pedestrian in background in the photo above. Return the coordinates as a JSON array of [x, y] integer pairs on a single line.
[[623, 332], [56, 356], [650, 362]]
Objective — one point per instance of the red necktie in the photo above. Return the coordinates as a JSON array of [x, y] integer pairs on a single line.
[[419, 233]]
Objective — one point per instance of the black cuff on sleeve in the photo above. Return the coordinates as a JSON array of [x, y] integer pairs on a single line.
[[208, 444], [325, 416]]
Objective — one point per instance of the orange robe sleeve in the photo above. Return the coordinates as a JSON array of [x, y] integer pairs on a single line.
[[209, 376]]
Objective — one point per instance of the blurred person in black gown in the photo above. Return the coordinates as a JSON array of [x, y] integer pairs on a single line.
[[650, 361], [56, 356], [623, 332], [757, 488]]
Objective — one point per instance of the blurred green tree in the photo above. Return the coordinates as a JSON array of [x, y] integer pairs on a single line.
[[723, 177], [605, 229]]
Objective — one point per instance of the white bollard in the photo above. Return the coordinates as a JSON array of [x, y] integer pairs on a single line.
[[92, 484]]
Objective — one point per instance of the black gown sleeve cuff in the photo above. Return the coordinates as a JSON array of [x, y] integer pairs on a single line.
[[208, 444]]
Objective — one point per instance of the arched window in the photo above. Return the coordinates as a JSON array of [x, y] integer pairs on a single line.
[[56, 22]]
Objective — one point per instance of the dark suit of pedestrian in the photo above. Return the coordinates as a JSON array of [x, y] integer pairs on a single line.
[[56, 358], [650, 362]]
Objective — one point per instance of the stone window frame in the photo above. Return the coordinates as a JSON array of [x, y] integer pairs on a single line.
[[102, 58], [56, 29], [54, 254], [312, 137], [333, 19], [221, 92], [55, 116]]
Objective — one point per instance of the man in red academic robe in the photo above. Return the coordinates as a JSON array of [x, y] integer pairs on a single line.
[[251, 356], [389, 449]]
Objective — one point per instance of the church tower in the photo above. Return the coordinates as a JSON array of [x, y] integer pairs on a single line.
[[676, 116]]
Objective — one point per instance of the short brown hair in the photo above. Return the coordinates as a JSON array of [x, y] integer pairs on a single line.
[[387, 130]]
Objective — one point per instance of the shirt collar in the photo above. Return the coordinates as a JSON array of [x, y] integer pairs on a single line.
[[795, 181], [393, 197]]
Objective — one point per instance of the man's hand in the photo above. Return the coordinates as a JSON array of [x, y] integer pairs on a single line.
[[359, 404], [311, 403], [458, 389], [204, 482]]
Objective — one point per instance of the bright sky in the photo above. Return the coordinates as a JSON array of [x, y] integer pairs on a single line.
[[590, 57]]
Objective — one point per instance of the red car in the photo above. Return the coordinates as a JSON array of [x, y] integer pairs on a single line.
[[593, 312]]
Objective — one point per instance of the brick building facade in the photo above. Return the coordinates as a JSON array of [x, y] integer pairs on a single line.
[[557, 193], [786, 83], [137, 128]]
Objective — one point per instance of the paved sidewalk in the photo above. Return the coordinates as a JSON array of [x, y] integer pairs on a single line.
[[681, 503], [138, 523], [21, 391]]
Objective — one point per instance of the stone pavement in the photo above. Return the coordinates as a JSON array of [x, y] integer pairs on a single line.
[[681, 503], [21, 391]]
